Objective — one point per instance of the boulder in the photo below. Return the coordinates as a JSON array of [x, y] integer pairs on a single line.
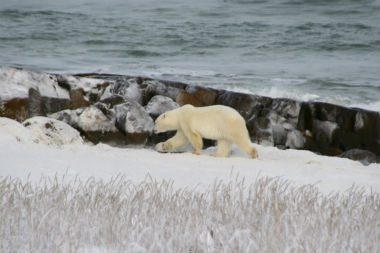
[[197, 96], [153, 88], [93, 125], [127, 88], [24, 94], [364, 156], [12, 130], [159, 105], [92, 88], [335, 129], [53, 132], [41, 105], [15, 108], [16, 83], [134, 122], [78, 99]]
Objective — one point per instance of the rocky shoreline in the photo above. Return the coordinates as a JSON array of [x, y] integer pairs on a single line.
[[120, 110]]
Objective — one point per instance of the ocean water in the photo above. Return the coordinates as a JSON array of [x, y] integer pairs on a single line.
[[323, 50]]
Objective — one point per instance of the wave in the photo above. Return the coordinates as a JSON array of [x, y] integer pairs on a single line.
[[14, 13]]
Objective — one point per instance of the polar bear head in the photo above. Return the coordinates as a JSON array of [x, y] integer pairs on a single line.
[[167, 121]]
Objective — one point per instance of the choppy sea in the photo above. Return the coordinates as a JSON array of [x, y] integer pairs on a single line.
[[323, 50]]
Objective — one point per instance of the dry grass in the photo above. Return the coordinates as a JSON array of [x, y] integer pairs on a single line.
[[268, 215]]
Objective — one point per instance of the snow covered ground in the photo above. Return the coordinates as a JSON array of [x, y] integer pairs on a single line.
[[21, 157], [27, 155]]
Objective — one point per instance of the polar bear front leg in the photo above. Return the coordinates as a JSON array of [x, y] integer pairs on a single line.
[[223, 148], [178, 141], [196, 141]]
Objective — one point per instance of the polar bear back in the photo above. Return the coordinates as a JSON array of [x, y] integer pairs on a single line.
[[213, 122]]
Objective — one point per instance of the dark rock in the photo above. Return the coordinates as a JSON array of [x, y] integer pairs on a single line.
[[246, 104], [184, 98], [197, 96], [41, 106], [35, 103], [336, 129], [15, 108], [78, 100], [279, 135], [113, 100], [364, 156]]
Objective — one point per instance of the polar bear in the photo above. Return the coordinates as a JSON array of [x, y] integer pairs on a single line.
[[216, 122]]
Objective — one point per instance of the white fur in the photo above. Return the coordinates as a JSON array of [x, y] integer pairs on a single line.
[[216, 122]]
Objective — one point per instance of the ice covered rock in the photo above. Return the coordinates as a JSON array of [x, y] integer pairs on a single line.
[[25, 94], [70, 117], [91, 88], [53, 132], [153, 88], [128, 89], [159, 105], [93, 124], [134, 122], [15, 83], [131, 117]]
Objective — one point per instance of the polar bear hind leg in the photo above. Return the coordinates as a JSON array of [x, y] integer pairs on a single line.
[[223, 148], [246, 146], [178, 141]]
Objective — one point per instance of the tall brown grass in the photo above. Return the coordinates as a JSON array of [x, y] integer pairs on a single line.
[[268, 215]]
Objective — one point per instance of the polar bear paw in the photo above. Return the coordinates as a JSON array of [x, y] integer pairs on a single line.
[[163, 147]]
